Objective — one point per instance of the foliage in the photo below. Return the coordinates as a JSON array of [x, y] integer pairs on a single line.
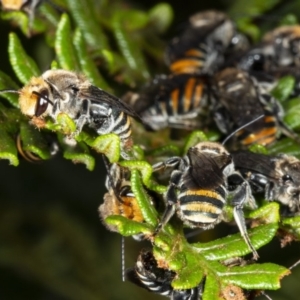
[[113, 48]]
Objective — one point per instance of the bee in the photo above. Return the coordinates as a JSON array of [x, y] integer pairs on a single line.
[[61, 91], [277, 177], [204, 178], [148, 275], [119, 200], [279, 48], [240, 98], [175, 101], [202, 46]]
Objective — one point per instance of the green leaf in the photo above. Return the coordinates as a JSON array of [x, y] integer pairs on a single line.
[[292, 113], [8, 149], [84, 15], [193, 139], [7, 83], [64, 45], [257, 276], [234, 245], [23, 65], [109, 145], [161, 16], [148, 211], [129, 46], [287, 146], [87, 64], [284, 88], [33, 141], [128, 227]]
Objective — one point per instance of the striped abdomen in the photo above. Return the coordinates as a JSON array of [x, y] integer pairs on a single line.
[[201, 208], [180, 101], [191, 62], [264, 135]]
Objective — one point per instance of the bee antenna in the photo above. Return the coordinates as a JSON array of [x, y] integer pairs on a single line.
[[266, 295], [123, 257], [10, 91], [294, 265], [240, 128]]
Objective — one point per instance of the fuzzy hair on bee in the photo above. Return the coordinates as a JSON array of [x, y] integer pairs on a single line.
[[119, 200], [239, 98], [62, 91], [199, 186], [147, 274], [277, 177]]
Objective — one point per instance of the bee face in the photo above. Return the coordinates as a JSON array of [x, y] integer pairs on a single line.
[[279, 48], [287, 189], [277, 177]]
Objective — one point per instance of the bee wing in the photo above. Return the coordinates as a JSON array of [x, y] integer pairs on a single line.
[[246, 161], [205, 171], [96, 94]]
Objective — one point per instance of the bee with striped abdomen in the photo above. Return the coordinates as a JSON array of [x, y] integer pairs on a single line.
[[202, 47], [174, 101], [240, 98], [148, 275], [279, 48], [277, 177], [204, 178], [61, 91]]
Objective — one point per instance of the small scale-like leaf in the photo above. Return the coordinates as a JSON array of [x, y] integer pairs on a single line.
[[284, 88], [285, 145], [87, 64], [8, 149], [212, 289], [267, 214], [84, 15], [108, 144], [33, 141], [161, 16], [142, 166], [143, 200], [23, 65], [129, 47], [193, 139], [128, 227], [66, 55], [7, 83], [256, 276], [234, 245]]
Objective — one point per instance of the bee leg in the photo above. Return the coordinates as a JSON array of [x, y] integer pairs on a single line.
[[169, 163], [240, 197], [171, 198], [84, 116]]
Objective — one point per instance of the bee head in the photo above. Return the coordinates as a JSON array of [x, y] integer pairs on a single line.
[[34, 98]]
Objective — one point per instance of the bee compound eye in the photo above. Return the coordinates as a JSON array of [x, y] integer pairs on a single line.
[[42, 103], [287, 178]]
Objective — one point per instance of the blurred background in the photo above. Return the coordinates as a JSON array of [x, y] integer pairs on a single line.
[[53, 245]]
